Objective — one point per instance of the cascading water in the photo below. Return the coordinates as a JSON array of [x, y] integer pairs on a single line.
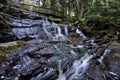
[[80, 33], [104, 54], [59, 31], [23, 32], [59, 35], [54, 25], [24, 27], [44, 62], [79, 67], [61, 75], [47, 25], [75, 55], [66, 29], [55, 34]]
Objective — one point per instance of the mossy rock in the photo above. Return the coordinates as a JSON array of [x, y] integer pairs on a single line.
[[10, 46], [109, 36], [2, 58]]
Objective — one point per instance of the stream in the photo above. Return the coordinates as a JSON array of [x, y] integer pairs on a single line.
[[56, 51]]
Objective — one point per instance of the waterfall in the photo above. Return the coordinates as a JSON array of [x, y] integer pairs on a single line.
[[80, 67], [54, 26], [74, 54], [59, 31], [59, 36], [47, 25], [53, 31], [66, 29], [104, 54], [61, 75], [80, 46], [80, 33]]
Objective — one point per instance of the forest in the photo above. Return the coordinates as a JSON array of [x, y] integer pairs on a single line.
[[59, 39]]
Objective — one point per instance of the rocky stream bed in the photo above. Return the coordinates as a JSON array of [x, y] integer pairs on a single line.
[[55, 51]]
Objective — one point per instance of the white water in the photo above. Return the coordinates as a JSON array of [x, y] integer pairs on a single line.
[[59, 36], [104, 54], [2, 77], [24, 26], [114, 74], [59, 51], [61, 75], [80, 33], [54, 26], [92, 42], [59, 31], [46, 25], [66, 29], [23, 22], [17, 67], [32, 32], [74, 53], [80, 46], [80, 67]]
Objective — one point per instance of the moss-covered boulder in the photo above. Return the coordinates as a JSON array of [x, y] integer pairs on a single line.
[[10, 46], [6, 48]]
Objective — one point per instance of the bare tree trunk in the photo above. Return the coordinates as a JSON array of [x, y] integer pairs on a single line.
[[82, 9], [52, 4]]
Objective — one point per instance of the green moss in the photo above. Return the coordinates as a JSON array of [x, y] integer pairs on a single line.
[[109, 36], [20, 43], [8, 49], [2, 58], [11, 48]]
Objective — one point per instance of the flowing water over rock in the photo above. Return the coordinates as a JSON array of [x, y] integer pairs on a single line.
[[57, 52]]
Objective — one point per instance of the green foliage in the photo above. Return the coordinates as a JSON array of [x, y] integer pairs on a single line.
[[102, 15], [96, 14], [95, 21], [2, 58]]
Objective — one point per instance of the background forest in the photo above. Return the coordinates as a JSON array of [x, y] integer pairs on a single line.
[[82, 10]]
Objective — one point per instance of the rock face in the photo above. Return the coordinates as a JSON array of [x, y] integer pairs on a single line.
[[3, 2], [53, 51]]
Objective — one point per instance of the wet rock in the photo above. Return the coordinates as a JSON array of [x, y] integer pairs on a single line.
[[75, 38], [7, 38], [3, 1], [103, 42], [95, 72], [43, 53], [112, 61], [99, 52], [10, 46]]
